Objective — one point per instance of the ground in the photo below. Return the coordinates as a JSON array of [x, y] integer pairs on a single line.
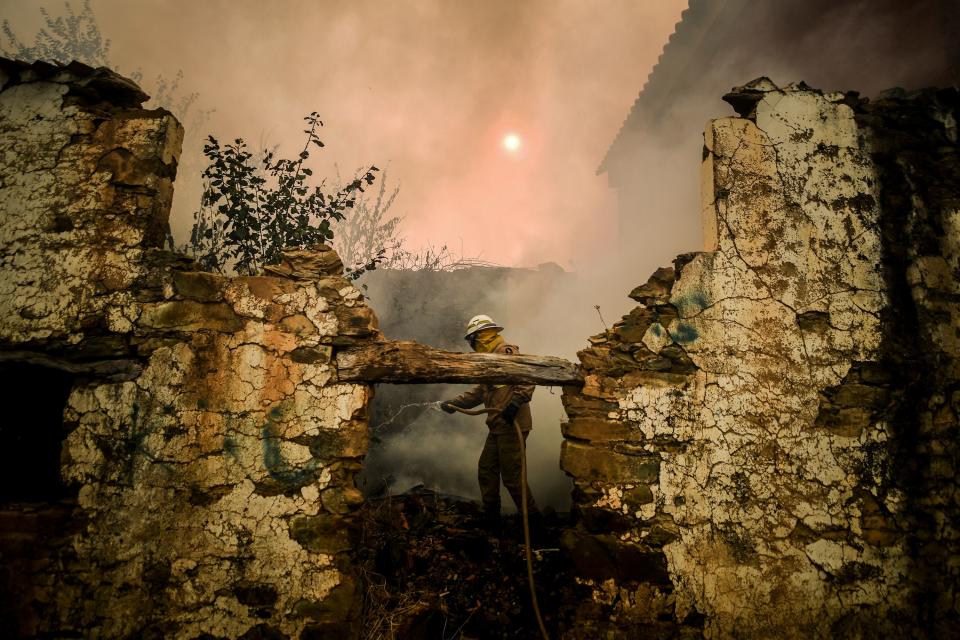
[[432, 571]]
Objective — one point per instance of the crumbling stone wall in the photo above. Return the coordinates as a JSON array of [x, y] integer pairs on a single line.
[[767, 444], [217, 481], [87, 179], [210, 449]]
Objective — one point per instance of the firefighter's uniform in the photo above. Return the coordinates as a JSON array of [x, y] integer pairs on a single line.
[[500, 459]]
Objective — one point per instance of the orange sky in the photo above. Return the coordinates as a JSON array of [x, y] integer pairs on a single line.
[[425, 89]]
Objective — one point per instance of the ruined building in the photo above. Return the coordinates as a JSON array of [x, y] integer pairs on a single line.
[[208, 448], [765, 446], [867, 45]]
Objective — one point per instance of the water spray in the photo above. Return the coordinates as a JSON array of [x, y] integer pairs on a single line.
[[429, 405]]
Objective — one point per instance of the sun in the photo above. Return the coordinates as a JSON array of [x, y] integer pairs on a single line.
[[511, 142]]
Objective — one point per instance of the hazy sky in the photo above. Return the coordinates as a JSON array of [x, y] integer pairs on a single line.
[[425, 89]]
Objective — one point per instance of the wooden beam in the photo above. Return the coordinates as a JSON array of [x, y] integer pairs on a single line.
[[114, 370], [403, 362]]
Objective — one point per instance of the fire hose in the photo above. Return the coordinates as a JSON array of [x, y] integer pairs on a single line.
[[523, 510]]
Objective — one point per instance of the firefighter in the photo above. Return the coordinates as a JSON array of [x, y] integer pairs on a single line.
[[501, 456]]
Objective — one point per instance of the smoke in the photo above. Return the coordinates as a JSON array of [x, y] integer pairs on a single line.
[[427, 90], [860, 45], [414, 445], [441, 451]]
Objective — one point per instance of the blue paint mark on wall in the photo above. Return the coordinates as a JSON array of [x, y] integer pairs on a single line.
[[134, 445], [278, 468], [688, 305], [691, 304], [684, 333], [230, 447]]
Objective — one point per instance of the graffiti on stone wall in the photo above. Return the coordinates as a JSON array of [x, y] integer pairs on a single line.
[[688, 306], [288, 475], [134, 446]]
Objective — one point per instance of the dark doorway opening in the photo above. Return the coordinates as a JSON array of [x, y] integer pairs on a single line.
[[36, 507], [31, 433]]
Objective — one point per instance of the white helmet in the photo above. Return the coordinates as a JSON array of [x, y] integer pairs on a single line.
[[479, 323]]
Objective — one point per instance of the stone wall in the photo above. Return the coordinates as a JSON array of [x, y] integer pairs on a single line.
[[209, 451], [767, 445]]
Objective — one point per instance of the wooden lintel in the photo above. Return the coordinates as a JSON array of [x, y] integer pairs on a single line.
[[115, 369], [403, 362]]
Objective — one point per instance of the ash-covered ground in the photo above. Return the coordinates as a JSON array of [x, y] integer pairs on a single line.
[[430, 570]]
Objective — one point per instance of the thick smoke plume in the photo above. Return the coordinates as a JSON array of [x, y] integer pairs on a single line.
[[428, 89], [865, 46]]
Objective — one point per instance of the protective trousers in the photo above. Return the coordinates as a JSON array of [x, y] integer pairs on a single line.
[[500, 459]]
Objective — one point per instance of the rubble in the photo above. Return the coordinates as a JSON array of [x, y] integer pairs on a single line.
[[430, 569]]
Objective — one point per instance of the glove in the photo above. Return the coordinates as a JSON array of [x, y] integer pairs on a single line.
[[510, 412], [446, 406]]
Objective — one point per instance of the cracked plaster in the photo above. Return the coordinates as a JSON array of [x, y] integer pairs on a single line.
[[200, 478], [773, 517]]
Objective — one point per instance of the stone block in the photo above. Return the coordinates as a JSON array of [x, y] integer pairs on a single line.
[[680, 362], [298, 324], [198, 285], [597, 430], [321, 534], [601, 520], [336, 616], [595, 358], [661, 535], [312, 355], [267, 288], [634, 325], [637, 497], [312, 263], [860, 395], [348, 442], [356, 321], [189, 315], [341, 500], [599, 387], [577, 405], [656, 338], [593, 464], [656, 291], [655, 379], [602, 557], [848, 422]]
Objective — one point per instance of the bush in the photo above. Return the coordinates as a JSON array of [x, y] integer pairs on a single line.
[[252, 209]]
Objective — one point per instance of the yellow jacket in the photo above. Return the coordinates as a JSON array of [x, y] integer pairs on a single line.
[[498, 396]]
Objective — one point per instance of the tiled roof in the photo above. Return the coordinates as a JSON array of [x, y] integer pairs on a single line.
[[721, 43], [688, 37]]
